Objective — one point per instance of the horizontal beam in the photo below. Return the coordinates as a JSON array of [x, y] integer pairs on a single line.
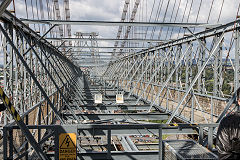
[[104, 47], [114, 23], [125, 129], [90, 56], [86, 59], [103, 116], [112, 99], [86, 65], [105, 39], [119, 155], [115, 107], [228, 27], [7, 16], [95, 132], [87, 52], [87, 62]]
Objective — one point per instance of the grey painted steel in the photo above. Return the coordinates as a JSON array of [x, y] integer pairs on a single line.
[[129, 71], [39, 39], [3, 5], [64, 98], [135, 116], [112, 23], [229, 27], [142, 74], [195, 79], [127, 132], [103, 47], [160, 144], [169, 77], [106, 39], [109, 144], [106, 129], [115, 107], [141, 63], [236, 62], [131, 144], [185, 149], [32, 75], [155, 72]]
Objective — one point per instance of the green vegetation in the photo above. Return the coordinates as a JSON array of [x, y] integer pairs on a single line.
[[157, 121], [227, 75]]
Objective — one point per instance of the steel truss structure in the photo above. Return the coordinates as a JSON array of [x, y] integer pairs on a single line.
[[172, 76], [52, 82], [37, 77]]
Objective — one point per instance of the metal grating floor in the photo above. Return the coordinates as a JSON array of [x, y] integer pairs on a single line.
[[186, 149]]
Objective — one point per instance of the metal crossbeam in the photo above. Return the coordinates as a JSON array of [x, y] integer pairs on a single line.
[[103, 47], [105, 39], [114, 116], [115, 107], [112, 23]]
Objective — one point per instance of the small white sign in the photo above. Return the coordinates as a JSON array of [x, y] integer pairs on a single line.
[[119, 98], [98, 98]]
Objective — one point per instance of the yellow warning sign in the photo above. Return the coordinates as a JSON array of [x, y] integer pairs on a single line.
[[67, 146]]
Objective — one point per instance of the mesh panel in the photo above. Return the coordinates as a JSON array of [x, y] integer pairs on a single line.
[[186, 149]]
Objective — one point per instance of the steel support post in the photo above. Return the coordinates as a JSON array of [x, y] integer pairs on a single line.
[[10, 138], [169, 77], [217, 70], [160, 144], [236, 61], [129, 71], [201, 60], [141, 76], [178, 72], [188, 65], [113, 69], [162, 61], [109, 144], [200, 138], [55, 71], [210, 138], [218, 79], [114, 73], [195, 78], [30, 72], [50, 76], [119, 70], [5, 142], [136, 70], [8, 66]]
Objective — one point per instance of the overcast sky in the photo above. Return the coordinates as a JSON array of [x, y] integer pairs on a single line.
[[111, 10]]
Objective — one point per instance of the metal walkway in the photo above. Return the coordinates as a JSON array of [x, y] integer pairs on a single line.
[[133, 95]]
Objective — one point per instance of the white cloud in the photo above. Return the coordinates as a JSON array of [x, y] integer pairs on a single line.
[[111, 10], [95, 10]]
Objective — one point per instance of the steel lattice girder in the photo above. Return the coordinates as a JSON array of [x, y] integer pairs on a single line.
[[168, 71]]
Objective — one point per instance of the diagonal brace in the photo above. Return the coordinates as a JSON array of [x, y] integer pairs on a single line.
[[196, 77]]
